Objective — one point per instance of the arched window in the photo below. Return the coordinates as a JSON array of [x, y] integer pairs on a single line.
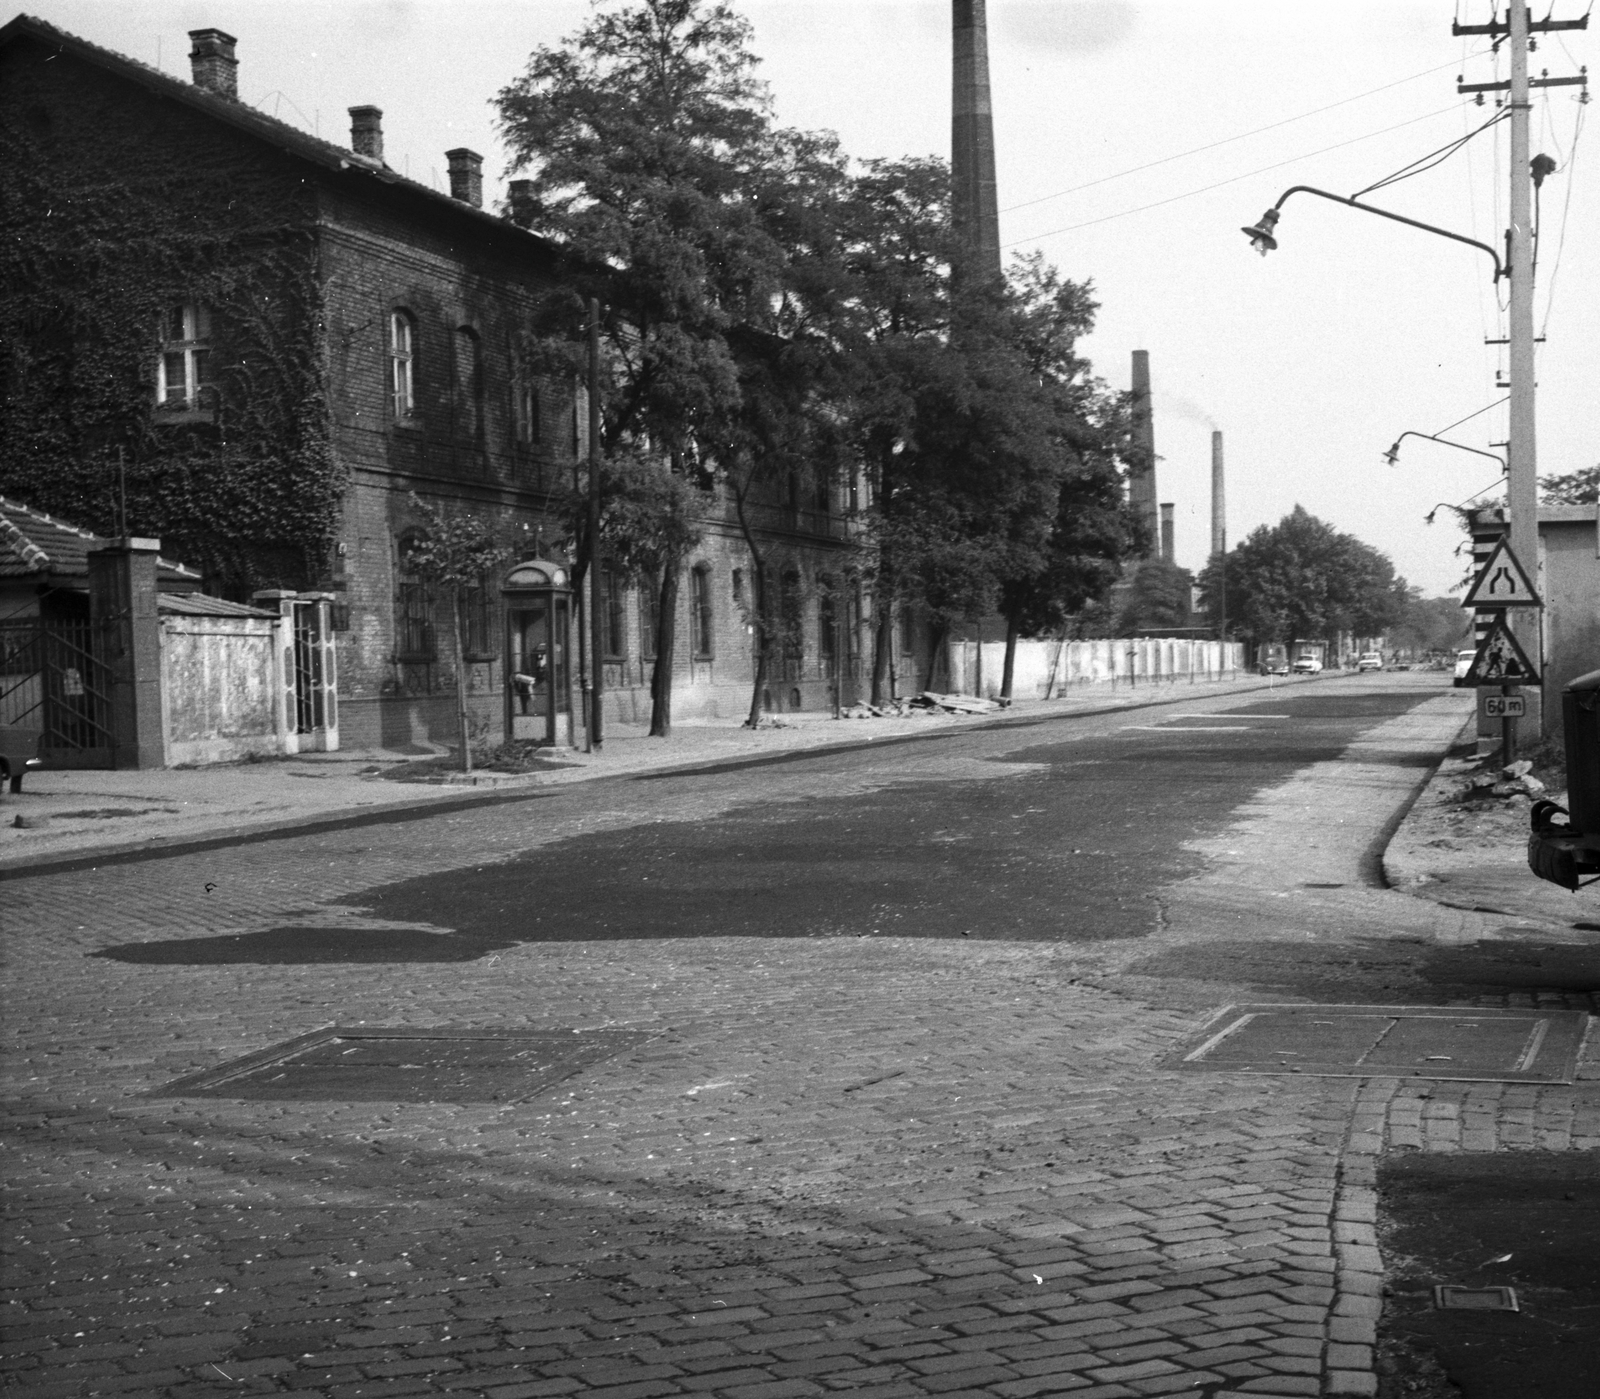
[[700, 615], [402, 366], [469, 382], [649, 615], [828, 628], [791, 638], [613, 639]]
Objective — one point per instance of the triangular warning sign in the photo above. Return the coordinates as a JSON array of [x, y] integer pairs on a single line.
[[1502, 583], [1500, 661]]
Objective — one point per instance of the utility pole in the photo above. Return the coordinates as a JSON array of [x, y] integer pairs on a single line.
[[597, 618], [1522, 482], [1522, 475]]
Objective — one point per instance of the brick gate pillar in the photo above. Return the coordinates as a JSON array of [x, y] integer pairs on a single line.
[[127, 632]]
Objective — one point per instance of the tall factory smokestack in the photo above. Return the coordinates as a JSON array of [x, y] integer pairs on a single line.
[[974, 204], [1142, 475], [1167, 531], [1219, 510]]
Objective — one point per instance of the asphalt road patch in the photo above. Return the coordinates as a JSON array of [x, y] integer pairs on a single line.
[[1526, 1220], [288, 947], [1344, 1041], [394, 1065], [1070, 845]]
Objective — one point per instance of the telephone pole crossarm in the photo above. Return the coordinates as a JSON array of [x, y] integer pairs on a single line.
[[1582, 80], [1535, 26]]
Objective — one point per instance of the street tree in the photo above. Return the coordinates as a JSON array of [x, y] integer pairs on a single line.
[[1158, 596], [458, 553], [987, 447], [650, 520], [647, 139], [1301, 579]]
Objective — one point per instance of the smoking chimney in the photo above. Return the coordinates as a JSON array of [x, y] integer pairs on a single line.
[[466, 176], [366, 131], [974, 205], [1142, 472], [1219, 513], [1167, 529], [212, 63]]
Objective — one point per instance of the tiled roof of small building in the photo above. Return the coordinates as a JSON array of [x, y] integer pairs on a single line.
[[33, 544], [199, 605]]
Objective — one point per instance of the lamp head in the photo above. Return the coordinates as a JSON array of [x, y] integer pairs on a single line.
[[1392, 456], [1260, 232]]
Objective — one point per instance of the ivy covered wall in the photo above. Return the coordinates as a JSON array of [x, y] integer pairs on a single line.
[[116, 205]]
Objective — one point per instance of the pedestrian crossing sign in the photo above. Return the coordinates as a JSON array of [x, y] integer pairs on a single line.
[[1502, 582], [1500, 660]]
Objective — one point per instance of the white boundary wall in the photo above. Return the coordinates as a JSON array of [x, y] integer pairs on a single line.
[[1048, 668]]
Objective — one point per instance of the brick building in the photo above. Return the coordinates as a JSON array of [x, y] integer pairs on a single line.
[[412, 323]]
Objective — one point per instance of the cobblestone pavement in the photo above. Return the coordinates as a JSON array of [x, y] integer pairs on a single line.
[[911, 1166]]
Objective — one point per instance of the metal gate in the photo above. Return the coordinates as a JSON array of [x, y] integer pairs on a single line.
[[52, 681], [308, 677]]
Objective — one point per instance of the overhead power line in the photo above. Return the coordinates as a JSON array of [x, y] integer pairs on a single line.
[[1231, 180], [1229, 140]]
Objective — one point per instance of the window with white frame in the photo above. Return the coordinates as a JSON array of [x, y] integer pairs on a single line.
[[183, 372], [402, 365]]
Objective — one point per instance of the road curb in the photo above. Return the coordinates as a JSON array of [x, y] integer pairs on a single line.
[[532, 786]]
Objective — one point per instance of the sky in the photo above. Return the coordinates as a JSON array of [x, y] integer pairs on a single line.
[[1134, 139]]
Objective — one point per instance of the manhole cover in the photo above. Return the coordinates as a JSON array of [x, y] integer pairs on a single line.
[[370, 1065], [1497, 1046], [1475, 1299]]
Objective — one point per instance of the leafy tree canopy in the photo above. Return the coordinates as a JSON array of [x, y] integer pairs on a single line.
[[1301, 579], [1158, 597], [1575, 488]]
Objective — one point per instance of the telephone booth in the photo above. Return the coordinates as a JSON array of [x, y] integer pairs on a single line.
[[538, 608]]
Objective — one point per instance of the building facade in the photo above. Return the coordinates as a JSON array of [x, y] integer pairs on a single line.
[[379, 328]]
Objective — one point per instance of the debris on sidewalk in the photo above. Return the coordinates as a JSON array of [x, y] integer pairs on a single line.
[[1513, 780], [928, 702]]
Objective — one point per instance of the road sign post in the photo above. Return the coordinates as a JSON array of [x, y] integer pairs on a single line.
[[1501, 662]]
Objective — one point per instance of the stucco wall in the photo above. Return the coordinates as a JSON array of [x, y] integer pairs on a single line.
[[1572, 601], [1054, 667], [219, 687]]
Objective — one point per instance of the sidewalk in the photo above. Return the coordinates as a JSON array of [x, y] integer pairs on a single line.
[[71, 815], [1473, 855]]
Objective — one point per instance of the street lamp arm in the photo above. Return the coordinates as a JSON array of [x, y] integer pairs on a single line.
[[1269, 220], [1393, 453]]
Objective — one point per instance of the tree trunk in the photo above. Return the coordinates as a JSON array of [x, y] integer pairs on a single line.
[[937, 633], [882, 642], [666, 643], [758, 592], [1009, 671], [461, 682], [758, 589]]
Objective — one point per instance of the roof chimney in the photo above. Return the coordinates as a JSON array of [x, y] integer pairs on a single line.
[[366, 131], [522, 202], [212, 62], [466, 176], [1167, 533]]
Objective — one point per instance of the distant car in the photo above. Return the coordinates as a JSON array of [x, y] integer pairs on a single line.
[[1308, 665], [1369, 660], [1464, 661]]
